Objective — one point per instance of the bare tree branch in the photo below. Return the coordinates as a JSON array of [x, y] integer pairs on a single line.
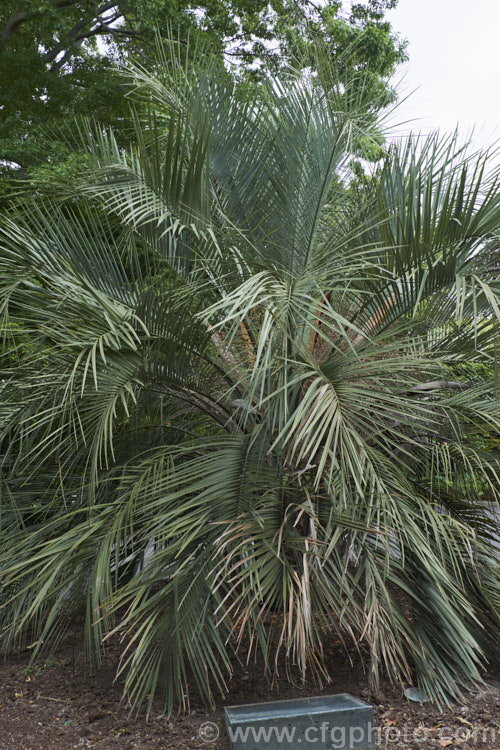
[[20, 16], [74, 37], [17, 18], [55, 51]]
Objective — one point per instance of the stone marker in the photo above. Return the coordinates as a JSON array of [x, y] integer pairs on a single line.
[[331, 722]]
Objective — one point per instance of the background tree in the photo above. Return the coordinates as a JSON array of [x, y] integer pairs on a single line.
[[237, 417], [58, 58]]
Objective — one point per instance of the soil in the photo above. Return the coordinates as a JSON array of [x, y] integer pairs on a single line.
[[58, 705]]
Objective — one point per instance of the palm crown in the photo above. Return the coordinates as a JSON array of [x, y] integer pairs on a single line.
[[243, 392]]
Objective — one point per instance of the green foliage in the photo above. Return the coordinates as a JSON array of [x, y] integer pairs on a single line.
[[57, 61], [235, 418]]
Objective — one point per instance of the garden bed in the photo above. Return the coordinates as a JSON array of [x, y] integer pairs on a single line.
[[58, 705]]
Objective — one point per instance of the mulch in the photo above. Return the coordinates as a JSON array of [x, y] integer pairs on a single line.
[[57, 705]]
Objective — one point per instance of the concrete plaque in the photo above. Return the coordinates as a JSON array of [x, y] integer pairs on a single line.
[[331, 722]]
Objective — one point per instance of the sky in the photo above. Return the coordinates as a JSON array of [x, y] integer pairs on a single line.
[[453, 67]]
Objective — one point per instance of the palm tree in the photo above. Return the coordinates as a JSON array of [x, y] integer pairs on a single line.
[[242, 407]]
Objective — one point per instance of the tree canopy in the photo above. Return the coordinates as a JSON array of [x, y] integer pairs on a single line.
[[247, 417], [58, 58]]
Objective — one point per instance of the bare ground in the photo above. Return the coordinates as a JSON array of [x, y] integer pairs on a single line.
[[58, 705]]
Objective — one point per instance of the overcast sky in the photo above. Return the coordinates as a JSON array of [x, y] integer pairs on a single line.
[[454, 62]]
